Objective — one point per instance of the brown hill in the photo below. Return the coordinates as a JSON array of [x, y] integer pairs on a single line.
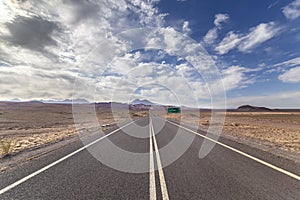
[[248, 108]]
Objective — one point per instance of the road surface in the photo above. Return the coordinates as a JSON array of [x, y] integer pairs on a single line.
[[230, 171]]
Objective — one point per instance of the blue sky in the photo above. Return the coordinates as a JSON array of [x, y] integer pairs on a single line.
[[252, 47], [242, 16]]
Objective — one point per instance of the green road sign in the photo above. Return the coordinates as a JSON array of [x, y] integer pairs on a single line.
[[173, 110]]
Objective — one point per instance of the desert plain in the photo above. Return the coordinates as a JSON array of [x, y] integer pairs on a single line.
[[273, 131], [28, 126]]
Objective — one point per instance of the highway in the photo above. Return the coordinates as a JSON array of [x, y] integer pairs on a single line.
[[230, 171]]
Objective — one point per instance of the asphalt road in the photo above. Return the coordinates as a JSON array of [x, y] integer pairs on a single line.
[[223, 174]]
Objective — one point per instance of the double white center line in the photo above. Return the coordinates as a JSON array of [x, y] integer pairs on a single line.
[[152, 170], [162, 180]]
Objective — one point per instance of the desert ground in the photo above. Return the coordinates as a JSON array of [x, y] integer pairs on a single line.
[[275, 130], [25, 126]]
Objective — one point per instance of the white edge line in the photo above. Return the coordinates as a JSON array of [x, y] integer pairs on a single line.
[[58, 161], [242, 153], [163, 184], [152, 186]]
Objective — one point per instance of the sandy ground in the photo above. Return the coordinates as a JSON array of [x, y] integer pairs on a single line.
[[279, 130], [26, 126]]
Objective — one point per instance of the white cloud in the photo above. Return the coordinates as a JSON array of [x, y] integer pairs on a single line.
[[211, 36], [258, 35], [231, 41], [155, 82], [185, 27], [283, 66], [26, 82], [235, 77], [54, 41], [220, 18], [292, 10], [291, 76], [84, 40], [290, 63], [147, 11], [247, 42]]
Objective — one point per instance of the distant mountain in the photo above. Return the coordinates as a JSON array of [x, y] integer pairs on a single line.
[[144, 102], [111, 105], [15, 100], [35, 101], [248, 108], [67, 101], [76, 101]]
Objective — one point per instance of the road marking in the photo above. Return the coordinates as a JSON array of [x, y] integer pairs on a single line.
[[242, 153], [58, 161], [152, 187], [162, 179]]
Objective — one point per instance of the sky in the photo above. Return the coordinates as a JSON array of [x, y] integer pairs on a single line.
[[185, 52]]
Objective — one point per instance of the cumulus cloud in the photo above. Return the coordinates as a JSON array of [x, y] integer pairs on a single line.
[[188, 78], [291, 76], [154, 81], [212, 34], [292, 10], [258, 35], [235, 77], [26, 82], [185, 27], [55, 38], [247, 42], [58, 42], [231, 41], [220, 18]]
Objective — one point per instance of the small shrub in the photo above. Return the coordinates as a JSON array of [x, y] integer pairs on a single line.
[[6, 147]]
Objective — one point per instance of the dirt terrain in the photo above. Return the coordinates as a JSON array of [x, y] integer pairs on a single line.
[[276, 130], [34, 124]]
